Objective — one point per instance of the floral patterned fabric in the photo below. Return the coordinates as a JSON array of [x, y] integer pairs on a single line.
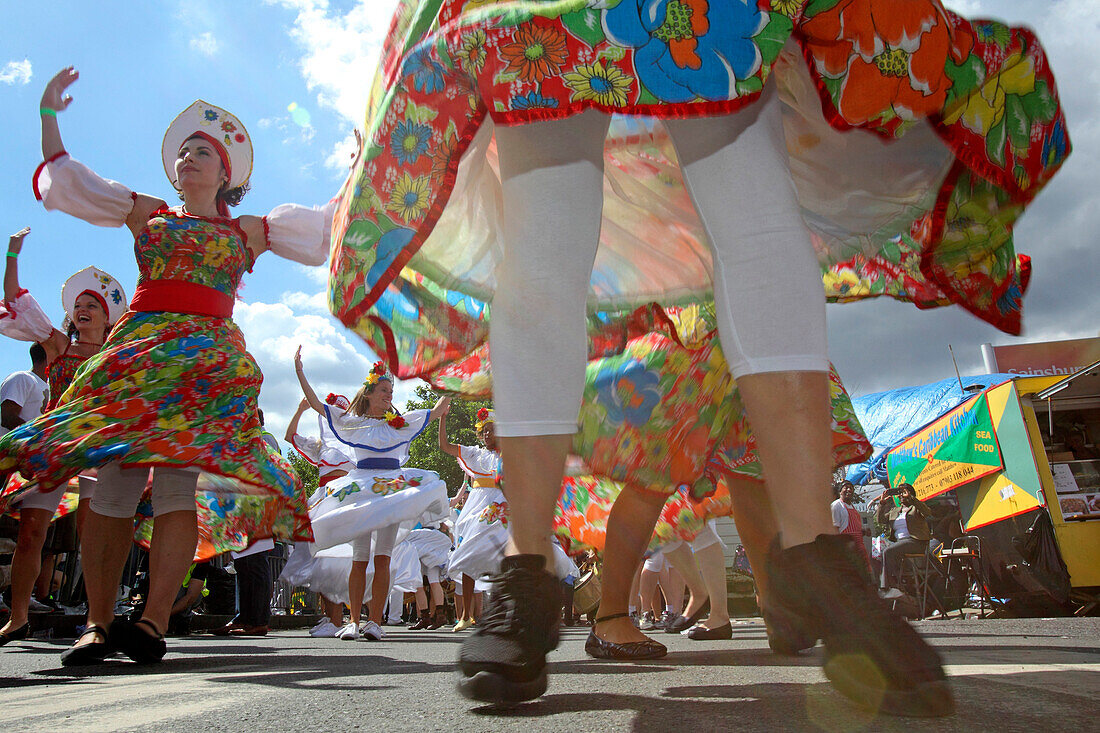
[[966, 124], [60, 375], [169, 389]]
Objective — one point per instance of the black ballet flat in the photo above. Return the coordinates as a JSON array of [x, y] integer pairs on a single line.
[[631, 651], [139, 646], [682, 623], [94, 653], [702, 633], [15, 634]]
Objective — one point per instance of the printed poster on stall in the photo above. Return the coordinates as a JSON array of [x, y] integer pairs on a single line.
[[955, 449]]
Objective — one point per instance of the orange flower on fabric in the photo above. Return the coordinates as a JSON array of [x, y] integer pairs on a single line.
[[535, 52], [891, 60]]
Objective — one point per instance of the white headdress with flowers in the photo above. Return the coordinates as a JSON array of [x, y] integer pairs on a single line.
[[100, 285], [217, 126]]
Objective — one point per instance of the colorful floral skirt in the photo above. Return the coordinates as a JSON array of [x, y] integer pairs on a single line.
[[166, 390], [481, 535], [352, 506], [916, 140]]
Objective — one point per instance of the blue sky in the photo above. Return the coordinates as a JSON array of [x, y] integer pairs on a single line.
[[140, 67]]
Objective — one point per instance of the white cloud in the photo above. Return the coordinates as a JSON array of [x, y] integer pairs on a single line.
[[18, 72], [335, 360], [205, 44]]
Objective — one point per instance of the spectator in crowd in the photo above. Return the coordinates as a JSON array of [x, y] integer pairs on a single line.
[[907, 533], [847, 519], [23, 395]]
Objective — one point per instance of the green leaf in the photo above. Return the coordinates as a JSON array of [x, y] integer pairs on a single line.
[[645, 96], [1017, 122], [819, 6], [1040, 105], [749, 86], [385, 223], [585, 25], [995, 143], [419, 113], [770, 40], [965, 77]]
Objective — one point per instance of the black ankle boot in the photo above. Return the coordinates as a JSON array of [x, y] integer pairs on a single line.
[[504, 660], [872, 656], [422, 622]]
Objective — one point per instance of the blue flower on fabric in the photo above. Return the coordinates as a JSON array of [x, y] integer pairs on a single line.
[[688, 49], [221, 506], [398, 302], [470, 306], [385, 252], [629, 392], [189, 346], [1056, 145], [409, 141], [107, 453], [533, 100], [427, 73]]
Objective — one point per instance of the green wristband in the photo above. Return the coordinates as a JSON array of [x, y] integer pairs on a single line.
[[47, 112], [13, 255]]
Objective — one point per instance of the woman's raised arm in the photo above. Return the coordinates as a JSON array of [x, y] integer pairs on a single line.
[[307, 390]]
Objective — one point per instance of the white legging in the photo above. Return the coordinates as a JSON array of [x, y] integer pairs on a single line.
[[767, 282], [119, 490]]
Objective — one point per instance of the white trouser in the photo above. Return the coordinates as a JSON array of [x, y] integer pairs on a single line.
[[382, 541], [52, 500], [432, 573], [119, 490], [767, 282]]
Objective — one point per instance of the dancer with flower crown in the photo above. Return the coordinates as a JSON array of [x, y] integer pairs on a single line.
[[481, 532], [174, 388], [367, 506], [93, 303]]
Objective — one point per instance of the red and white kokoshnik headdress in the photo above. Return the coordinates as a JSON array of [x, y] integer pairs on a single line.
[[218, 127], [101, 286]]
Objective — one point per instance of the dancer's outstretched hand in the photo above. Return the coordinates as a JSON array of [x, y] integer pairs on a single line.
[[15, 241], [54, 96]]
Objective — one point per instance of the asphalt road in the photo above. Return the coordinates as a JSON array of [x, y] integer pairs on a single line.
[[1027, 675]]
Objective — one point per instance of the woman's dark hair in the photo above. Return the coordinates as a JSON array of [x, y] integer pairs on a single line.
[[231, 196]]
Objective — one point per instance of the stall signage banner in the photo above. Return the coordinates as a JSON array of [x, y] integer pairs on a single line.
[[955, 449], [1047, 359]]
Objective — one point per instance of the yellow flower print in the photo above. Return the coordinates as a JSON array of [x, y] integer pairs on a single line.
[[472, 51], [217, 252], [786, 7], [88, 423], [983, 110], [157, 226], [842, 283], [606, 85], [409, 197], [244, 368], [716, 378], [157, 268], [175, 423]]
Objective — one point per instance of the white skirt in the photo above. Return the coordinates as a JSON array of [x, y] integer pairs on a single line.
[[481, 534], [327, 572], [366, 500]]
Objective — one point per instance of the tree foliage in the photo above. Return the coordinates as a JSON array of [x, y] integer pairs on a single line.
[[307, 472], [424, 451]]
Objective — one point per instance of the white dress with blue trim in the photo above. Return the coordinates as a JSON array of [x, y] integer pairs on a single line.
[[379, 492]]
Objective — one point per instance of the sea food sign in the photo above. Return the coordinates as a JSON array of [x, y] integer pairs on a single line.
[[955, 449]]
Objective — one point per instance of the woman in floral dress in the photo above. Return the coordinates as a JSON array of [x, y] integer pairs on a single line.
[[367, 506], [494, 173], [93, 303], [174, 388]]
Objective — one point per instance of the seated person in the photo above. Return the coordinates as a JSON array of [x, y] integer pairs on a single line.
[[908, 533]]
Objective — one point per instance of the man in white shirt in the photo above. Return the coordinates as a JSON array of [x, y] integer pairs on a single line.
[[23, 395]]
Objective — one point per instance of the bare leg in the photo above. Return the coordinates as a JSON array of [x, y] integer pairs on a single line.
[[635, 598], [673, 589], [379, 588], [103, 550], [44, 582], [334, 611], [421, 600], [712, 564], [477, 606], [647, 588], [357, 589], [437, 595], [540, 461], [683, 559], [785, 409], [629, 528], [26, 563], [171, 551], [460, 606], [469, 597], [754, 516]]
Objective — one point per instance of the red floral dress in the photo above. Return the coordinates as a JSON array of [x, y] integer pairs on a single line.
[[169, 388]]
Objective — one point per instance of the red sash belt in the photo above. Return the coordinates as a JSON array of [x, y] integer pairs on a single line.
[[179, 296]]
